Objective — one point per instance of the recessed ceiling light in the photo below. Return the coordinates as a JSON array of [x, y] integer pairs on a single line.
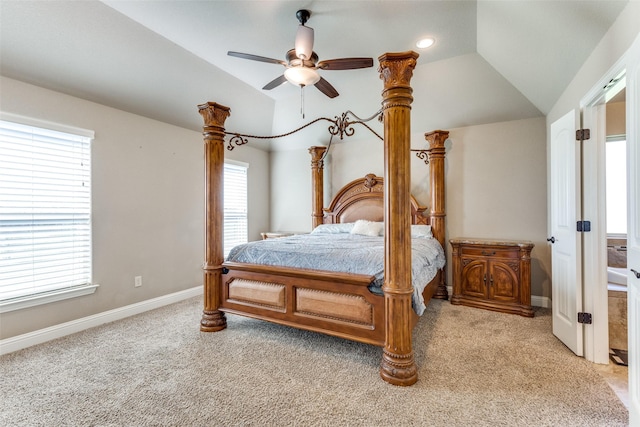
[[425, 43]]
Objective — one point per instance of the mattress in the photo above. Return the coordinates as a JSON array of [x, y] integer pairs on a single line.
[[345, 252]]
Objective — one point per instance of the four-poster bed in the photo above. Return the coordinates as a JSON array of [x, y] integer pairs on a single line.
[[335, 303]]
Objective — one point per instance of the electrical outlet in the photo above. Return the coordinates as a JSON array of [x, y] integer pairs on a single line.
[[137, 281]]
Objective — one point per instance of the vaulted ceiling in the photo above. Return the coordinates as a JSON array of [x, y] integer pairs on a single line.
[[492, 60]]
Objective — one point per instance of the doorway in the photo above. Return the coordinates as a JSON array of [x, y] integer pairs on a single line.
[[616, 218], [616, 373], [595, 295], [601, 114]]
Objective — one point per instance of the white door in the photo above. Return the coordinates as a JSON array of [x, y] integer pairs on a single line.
[[633, 229], [566, 259]]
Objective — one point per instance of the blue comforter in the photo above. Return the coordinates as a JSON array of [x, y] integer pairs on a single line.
[[345, 252]]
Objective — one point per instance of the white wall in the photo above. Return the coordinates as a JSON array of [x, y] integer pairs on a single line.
[[496, 188], [148, 204], [612, 46]]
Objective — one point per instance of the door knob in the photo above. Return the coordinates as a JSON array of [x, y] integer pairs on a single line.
[[551, 239], [636, 273]]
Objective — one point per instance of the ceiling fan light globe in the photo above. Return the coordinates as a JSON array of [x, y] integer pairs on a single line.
[[301, 76], [304, 42]]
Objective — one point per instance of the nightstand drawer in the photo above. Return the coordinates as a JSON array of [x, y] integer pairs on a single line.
[[490, 251]]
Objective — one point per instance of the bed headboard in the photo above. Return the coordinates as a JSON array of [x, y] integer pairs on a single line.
[[364, 199]]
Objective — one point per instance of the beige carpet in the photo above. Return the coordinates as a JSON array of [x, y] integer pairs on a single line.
[[476, 368]]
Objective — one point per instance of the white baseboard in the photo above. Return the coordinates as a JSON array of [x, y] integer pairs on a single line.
[[19, 342], [536, 301]]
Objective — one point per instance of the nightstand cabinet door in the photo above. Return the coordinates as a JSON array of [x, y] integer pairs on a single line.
[[504, 283], [492, 274], [474, 278]]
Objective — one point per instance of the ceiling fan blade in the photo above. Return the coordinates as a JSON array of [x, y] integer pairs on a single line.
[[345, 63], [275, 83], [326, 88], [256, 58]]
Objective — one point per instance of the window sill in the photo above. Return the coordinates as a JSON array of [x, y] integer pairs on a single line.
[[616, 235], [46, 297]]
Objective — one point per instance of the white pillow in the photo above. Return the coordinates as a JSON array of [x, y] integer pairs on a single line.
[[333, 228], [419, 230], [367, 228]]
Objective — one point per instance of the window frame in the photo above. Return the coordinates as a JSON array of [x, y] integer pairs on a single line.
[[62, 293], [226, 228]]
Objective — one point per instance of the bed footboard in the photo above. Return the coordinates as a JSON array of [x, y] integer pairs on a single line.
[[338, 304]]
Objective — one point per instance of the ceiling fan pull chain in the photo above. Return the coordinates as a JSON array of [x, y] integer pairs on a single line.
[[302, 100]]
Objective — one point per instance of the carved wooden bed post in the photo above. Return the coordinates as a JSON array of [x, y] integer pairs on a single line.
[[317, 185], [436, 141], [214, 116], [398, 365]]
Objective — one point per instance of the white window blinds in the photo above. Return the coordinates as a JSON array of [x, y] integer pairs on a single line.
[[235, 205], [45, 210]]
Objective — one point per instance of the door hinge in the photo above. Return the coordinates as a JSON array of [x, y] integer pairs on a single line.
[[584, 226], [584, 318], [583, 134]]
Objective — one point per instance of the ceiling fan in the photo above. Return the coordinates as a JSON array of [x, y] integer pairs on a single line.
[[302, 62]]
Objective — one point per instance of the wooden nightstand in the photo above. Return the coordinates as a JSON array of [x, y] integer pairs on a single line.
[[492, 274]]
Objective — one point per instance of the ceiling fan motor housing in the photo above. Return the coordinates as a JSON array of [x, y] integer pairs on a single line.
[[304, 42], [304, 36], [295, 61]]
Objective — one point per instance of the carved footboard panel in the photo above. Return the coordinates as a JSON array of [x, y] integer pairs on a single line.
[[338, 304]]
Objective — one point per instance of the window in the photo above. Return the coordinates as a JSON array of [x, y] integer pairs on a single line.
[[45, 214], [235, 204], [616, 186]]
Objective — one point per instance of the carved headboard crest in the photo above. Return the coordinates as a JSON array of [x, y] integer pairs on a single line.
[[370, 181], [364, 199]]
